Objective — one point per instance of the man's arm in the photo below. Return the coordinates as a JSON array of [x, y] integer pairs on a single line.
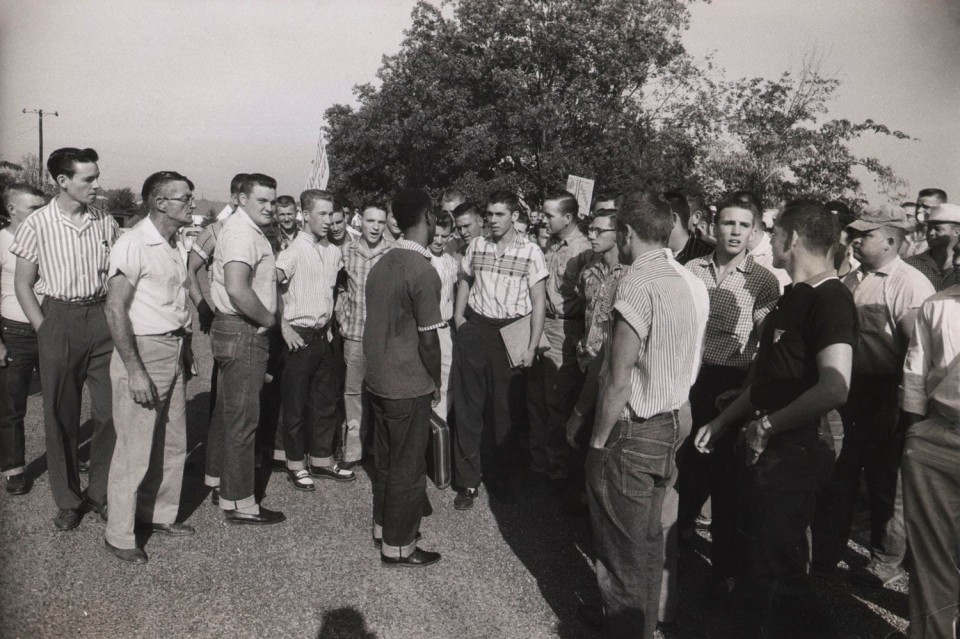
[[463, 294], [586, 401], [429, 349], [23, 283], [615, 383], [204, 306], [238, 278], [538, 296], [119, 295]]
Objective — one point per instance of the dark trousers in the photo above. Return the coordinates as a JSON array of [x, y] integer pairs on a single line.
[[401, 433], [777, 496], [21, 342], [309, 399], [872, 447], [488, 393], [75, 346], [242, 354], [269, 433], [627, 482], [713, 475]]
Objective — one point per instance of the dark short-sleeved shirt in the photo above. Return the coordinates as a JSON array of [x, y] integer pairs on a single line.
[[806, 320], [403, 300]]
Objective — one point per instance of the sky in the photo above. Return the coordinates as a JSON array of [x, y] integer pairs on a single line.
[[211, 88]]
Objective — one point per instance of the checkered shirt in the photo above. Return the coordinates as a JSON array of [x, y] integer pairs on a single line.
[[358, 259], [502, 283]]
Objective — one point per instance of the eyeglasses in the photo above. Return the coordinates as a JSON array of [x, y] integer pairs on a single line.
[[592, 230], [186, 199]]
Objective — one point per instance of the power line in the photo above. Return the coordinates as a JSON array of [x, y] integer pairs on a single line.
[[40, 114]]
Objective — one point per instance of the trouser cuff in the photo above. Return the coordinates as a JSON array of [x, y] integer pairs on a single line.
[[296, 465], [246, 502], [12, 472], [398, 552], [323, 462], [211, 482], [279, 455]]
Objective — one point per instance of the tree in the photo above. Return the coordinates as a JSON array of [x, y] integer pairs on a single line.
[[121, 201]]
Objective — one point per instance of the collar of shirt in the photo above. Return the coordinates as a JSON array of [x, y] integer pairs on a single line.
[[248, 220], [649, 258], [88, 213], [404, 243], [576, 237], [763, 247], [152, 233], [367, 252], [887, 269], [224, 213]]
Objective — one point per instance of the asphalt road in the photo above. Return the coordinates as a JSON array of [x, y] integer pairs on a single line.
[[508, 571]]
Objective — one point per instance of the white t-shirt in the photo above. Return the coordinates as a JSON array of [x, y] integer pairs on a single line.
[[9, 306]]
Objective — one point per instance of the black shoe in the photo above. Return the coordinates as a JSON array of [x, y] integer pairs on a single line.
[[173, 530], [95, 506], [378, 541], [264, 518], [464, 498], [215, 496], [301, 480], [83, 466], [337, 472], [132, 556], [347, 465], [592, 614], [17, 484], [68, 519], [417, 558]]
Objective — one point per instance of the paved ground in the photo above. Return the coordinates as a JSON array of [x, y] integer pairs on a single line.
[[507, 571]]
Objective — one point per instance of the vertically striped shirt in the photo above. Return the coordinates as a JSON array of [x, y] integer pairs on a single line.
[[358, 259], [72, 260], [310, 275], [447, 267], [668, 309], [502, 282]]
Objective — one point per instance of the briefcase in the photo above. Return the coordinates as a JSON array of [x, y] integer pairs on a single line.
[[438, 452]]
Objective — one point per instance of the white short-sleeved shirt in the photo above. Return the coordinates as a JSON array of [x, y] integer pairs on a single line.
[[159, 277], [241, 240], [310, 269], [502, 281], [9, 305]]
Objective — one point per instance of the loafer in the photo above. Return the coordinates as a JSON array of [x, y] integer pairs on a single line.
[[263, 518], [335, 472], [132, 556], [67, 519], [95, 506], [464, 498], [300, 480], [418, 558], [378, 541], [173, 530], [16, 484], [215, 496]]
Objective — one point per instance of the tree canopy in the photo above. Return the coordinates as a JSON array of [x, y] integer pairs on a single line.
[[518, 94]]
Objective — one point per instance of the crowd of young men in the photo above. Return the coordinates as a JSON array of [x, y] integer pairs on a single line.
[[639, 368]]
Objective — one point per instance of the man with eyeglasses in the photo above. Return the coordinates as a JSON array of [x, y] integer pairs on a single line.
[[147, 314], [64, 250]]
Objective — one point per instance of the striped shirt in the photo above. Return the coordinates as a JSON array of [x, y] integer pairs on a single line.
[[9, 304], [206, 242], [351, 311], [309, 277], [738, 304], [668, 309], [565, 259], [72, 261], [447, 267], [502, 282]]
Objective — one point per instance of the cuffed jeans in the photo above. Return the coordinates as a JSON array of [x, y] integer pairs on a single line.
[[241, 352], [356, 401], [627, 482], [401, 433], [309, 399], [555, 384], [75, 346], [146, 474], [21, 342]]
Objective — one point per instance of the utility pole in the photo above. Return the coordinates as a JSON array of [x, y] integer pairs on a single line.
[[39, 113]]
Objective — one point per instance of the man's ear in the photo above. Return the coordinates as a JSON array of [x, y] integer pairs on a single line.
[[515, 216]]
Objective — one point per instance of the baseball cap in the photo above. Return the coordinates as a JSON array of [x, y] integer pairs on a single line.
[[876, 217], [944, 213]]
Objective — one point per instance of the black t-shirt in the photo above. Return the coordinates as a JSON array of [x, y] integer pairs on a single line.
[[806, 320]]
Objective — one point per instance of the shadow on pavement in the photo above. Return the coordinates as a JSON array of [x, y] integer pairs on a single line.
[[344, 623]]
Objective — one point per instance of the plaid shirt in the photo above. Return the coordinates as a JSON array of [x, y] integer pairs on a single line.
[[502, 282], [738, 304], [351, 310], [598, 283], [940, 278]]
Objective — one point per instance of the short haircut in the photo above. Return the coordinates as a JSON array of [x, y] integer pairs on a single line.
[[467, 208], [738, 203], [813, 223], [308, 197], [410, 206], [445, 222], [604, 196], [236, 184], [20, 187], [906, 204], [648, 214], [844, 213], [678, 204], [453, 195], [504, 197], [155, 183], [257, 179], [696, 202], [286, 200], [940, 194], [568, 203], [63, 161], [610, 214], [380, 203]]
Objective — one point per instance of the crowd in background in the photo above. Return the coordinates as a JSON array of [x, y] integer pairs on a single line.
[[661, 363]]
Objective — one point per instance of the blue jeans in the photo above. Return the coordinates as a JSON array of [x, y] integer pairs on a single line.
[[242, 353], [21, 341], [627, 481]]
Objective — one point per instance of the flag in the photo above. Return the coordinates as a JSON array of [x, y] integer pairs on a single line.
[[320, 171]]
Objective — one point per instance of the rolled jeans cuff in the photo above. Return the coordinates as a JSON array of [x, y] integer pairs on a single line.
[[398, 552], [279, 455], [246, 502], [211, 482], [323, 462], [296, 465], [13, 472]]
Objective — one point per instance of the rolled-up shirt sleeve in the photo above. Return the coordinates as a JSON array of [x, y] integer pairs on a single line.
[[26, 243], [426, 302], [126, 260], [536, 267], [634, 307]]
